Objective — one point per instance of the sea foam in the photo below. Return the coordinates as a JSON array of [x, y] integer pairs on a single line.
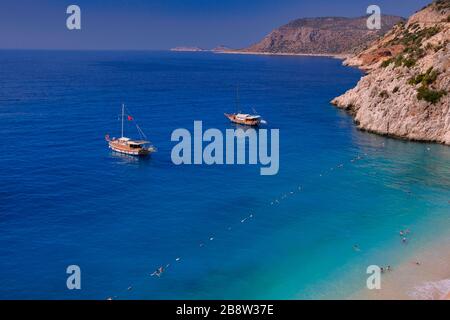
[[431, 290]]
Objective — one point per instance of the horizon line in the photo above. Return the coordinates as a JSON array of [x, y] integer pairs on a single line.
[[168, 49]]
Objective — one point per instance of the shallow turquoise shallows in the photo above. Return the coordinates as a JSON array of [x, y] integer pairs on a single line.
[[66, 199]]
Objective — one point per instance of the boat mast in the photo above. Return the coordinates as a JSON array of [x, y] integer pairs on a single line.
[[123, 112], [237, 99]]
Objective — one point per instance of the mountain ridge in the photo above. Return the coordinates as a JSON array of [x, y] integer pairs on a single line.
[[321, 35]]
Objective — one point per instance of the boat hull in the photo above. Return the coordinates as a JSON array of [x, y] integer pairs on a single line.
[[141, 152], [246, 122]]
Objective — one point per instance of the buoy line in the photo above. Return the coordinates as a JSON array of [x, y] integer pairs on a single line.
[[276, 201]]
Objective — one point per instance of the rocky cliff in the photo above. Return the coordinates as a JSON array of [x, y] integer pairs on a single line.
[[332, 35], [406, 91]]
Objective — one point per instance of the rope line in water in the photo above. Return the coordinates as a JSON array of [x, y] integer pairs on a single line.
[[276, 201]]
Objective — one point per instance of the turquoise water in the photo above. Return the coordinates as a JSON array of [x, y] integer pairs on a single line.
[[67, 199]]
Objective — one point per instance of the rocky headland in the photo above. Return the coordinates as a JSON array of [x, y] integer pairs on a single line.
[[405, 91]]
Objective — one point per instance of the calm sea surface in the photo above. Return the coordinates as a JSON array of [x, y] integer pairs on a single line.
[[66, 199]]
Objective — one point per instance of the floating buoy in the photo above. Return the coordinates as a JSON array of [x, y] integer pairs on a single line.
[[160, 270]]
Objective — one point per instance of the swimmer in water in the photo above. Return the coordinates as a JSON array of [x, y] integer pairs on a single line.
[[356, 248], [158, 272]]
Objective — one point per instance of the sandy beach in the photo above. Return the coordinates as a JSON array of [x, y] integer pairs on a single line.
[[423, 276]]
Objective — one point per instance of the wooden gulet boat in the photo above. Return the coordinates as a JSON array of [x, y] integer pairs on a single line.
[[128, 146], [244, 118]]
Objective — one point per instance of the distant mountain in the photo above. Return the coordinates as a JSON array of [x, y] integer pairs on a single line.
[[188, 49], [329, 35], [221, 48]]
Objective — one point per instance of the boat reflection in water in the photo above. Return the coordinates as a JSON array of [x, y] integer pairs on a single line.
[[122, 158]]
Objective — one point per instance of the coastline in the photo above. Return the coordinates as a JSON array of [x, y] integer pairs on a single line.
[[409, 281], [329, 55], [390, 100], [428, 280]]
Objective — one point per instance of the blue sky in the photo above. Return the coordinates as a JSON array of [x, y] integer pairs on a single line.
[[162, 24]]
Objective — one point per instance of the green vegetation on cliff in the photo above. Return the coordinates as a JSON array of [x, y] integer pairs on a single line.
[[424, 92], [429, 95]]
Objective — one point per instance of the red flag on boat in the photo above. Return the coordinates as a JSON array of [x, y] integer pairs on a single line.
[[130, 118]]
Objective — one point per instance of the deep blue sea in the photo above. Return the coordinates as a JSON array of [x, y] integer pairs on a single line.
[[66, 199]]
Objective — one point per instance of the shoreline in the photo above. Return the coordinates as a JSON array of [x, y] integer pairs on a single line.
[[429, 279], [329, 55]]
